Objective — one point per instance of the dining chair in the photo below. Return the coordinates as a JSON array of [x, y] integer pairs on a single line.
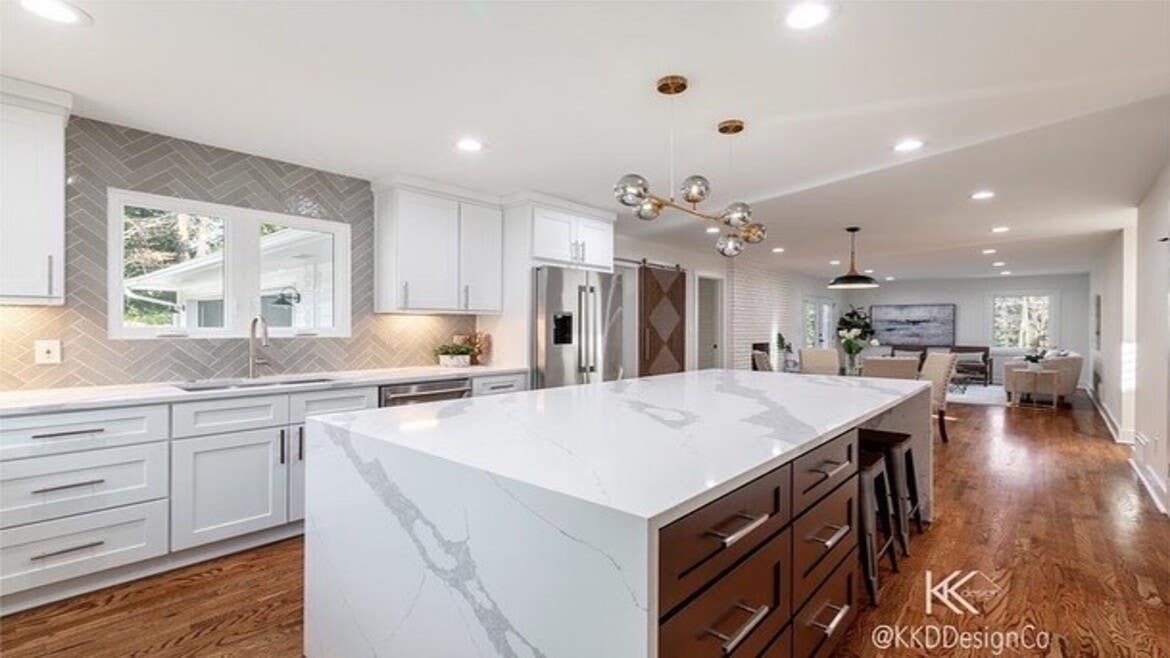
[[762, 361], [938, 368], [891, 367], [819, 361]]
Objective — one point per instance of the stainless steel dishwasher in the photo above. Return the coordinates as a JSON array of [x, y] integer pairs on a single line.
[[395, 395]]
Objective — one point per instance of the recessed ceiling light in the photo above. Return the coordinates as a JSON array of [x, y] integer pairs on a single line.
[[983, 195], [998, 263], [469, 145], [868, 271], [777, 250], [834, 262], [1000, 229], [712, 229], [807, 14], [889, 278], [57, 11], [1005, 273], [909, 144], [988, 252]]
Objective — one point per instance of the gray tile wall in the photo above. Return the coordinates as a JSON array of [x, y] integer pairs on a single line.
[[101, 155]]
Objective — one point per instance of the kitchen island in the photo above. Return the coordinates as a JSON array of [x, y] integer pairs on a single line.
[[704, 513]]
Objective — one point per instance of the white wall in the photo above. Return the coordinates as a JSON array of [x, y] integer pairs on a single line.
[[973, 299], [1153, 339], [1112, 277], [765, 302]]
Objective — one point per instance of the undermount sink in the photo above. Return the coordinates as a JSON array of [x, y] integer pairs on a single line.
[[223, 384]]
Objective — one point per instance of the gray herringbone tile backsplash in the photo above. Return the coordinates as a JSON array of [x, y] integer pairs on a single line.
[[101, 155]]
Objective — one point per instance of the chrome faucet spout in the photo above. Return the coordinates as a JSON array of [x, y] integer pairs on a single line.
[[255, 359]]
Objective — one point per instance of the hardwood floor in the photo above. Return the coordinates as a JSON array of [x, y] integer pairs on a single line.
[[1042, 502]]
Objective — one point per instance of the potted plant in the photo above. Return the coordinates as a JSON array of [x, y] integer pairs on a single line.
[[454, 355], [855, 331], [1035, 360]]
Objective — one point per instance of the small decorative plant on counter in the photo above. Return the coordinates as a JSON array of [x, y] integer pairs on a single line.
[[1035, 360], [454, 355], [856, 333]]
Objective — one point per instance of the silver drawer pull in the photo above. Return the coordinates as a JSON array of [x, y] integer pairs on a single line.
[[500, 387], [424, 394], [57, 435], [63, 551], [828, 628], [753, 523], [730, 642], [840, 532], [62, 487], [838, 468]]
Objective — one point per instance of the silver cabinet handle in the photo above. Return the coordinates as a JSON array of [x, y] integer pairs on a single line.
[[840, 532], [501, 387], [466, 295], [828, 628], [282, 446], [301, 443], [58, 435], [405, 294], [753, 522], [584, 250], [63, 551], [62, 487], [426, 394], [838, 468], [50, 275], [730, 642]]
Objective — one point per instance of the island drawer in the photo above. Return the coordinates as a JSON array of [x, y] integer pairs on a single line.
[[820, 470], [42, 488], [698, 547], [739, 614], [824, 620], [228, 415], [55, 433], [780, 646], [821, 537]]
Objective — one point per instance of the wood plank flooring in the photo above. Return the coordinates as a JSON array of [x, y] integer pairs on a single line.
[[1043, 502]]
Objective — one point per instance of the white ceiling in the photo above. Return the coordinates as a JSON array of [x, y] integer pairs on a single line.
[[562, 94]]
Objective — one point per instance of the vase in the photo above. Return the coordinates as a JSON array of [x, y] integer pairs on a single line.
[[851, 366], [455, 360]]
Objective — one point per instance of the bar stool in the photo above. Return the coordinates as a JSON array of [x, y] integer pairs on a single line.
[[900, 465], [875, 506]]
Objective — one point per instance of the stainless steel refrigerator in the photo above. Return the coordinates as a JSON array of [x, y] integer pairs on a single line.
[[577, 327]]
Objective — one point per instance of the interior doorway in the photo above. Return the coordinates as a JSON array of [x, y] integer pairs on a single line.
[[709, 313]]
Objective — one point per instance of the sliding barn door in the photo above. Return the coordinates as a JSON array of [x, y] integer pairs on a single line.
[[661, 320]]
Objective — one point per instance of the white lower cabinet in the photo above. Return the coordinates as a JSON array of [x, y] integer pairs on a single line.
[[296, 473], [41, 553], [227, 485]]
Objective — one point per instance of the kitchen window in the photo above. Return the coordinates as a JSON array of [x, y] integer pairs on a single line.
[[180, 268]]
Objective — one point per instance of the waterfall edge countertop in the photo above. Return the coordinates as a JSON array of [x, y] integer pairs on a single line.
[[644, 446], [78, 398]]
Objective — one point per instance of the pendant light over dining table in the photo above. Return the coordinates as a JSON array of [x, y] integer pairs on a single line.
[[853, 280], [633, 191]]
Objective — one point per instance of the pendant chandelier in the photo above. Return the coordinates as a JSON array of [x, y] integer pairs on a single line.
[[633, 191], [853, 280]]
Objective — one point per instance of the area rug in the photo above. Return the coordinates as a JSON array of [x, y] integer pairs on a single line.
[[975, 394]]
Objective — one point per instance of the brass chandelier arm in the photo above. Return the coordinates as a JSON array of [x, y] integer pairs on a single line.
[[690, 211]]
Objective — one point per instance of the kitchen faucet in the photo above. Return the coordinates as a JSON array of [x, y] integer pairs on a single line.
[[253, 358]]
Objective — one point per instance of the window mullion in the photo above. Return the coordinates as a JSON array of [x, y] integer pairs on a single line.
[[242, 274]]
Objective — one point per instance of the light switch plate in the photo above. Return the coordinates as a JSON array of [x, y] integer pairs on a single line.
[[48, 352]]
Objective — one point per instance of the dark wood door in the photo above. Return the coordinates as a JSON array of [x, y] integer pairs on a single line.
[[661, 320]]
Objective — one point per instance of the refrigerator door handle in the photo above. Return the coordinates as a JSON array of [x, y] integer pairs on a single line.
[[595, 332], [582, 335]]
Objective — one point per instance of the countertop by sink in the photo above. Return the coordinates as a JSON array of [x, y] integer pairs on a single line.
[[13, 403]]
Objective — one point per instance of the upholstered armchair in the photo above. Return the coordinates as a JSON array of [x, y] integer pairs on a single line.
[[1068, 366]]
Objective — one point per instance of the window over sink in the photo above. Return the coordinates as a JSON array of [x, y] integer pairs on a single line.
[[180, 268]]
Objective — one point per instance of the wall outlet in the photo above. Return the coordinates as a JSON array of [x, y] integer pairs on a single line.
[[48, 352]]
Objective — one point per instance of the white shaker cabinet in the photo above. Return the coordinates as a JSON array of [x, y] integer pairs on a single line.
[[595, 240], [32, 193], [437, 251], [227, 485], [296, 472], [572, 239]]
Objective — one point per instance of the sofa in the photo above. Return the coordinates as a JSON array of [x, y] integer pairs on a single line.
[[1068, 365]]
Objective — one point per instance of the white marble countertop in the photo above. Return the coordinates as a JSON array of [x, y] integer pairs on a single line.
[[13, 403], [647, 447]]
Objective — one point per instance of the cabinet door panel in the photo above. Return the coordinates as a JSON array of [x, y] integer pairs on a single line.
[[227, 485], [596, 239], [32, 215], [296, 473], [481, 244], [427, 248], [552, 235]]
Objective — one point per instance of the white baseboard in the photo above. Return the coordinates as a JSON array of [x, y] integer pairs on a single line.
[[1151, 488], [1120, 435], [65, 589]]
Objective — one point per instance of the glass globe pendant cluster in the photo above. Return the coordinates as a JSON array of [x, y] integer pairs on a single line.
[[633, 191]]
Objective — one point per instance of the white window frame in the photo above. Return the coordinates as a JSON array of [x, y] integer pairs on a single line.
[[241, 267], [1053, 320]]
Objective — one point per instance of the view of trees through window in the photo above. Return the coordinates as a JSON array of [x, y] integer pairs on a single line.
[[154, 243], [1021, 321]]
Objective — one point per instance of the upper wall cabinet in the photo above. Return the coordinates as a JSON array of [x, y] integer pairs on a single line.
[[437, 252], [571, 238], [32, 193]]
